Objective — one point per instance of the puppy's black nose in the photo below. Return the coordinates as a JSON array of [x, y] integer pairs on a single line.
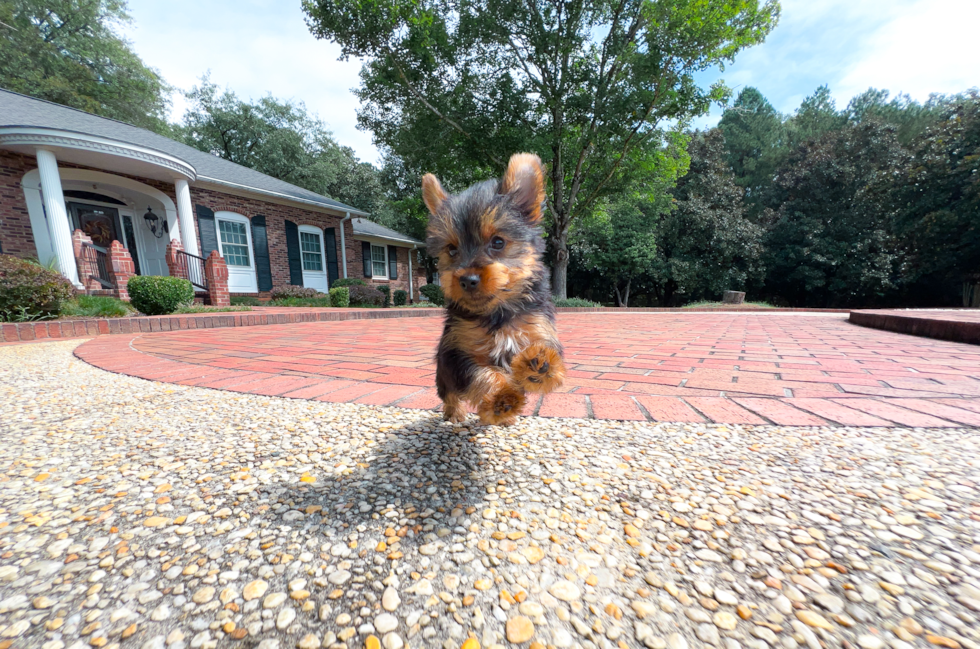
[[469, 282]]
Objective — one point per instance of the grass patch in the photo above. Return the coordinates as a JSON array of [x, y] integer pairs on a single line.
[[308, 302], [245, 300], [702, 304], [574, 302], [204, 308], [96, 306]]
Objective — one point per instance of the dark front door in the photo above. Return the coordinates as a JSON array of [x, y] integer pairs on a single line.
[[100, 223]]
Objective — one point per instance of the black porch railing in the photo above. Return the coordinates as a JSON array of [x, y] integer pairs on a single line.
[[96, 265], [193, 267]]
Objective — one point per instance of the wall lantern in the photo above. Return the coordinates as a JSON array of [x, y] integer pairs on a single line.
[[153, 223]]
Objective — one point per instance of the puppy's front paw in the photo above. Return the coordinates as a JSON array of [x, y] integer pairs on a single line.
[[538, 368], [502, 407], [454, 412]]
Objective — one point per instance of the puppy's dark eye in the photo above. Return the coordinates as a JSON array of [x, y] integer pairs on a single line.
[[452, 250], [497, 243]]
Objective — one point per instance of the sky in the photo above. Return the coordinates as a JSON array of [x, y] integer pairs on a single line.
[[257, 47]]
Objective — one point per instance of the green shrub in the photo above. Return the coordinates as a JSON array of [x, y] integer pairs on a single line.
[[348, 281], [386, 291], [340, 297], [285, 292], [365, 296], [401, 298], [434, 293], [574, 302], [29, 291], [153, 295], [245, 300], [96, 306], [315, 302]]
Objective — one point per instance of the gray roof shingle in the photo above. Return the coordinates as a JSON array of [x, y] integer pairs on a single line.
[[20, 110], [365, 228]]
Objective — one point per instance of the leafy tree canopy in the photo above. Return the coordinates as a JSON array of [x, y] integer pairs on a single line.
[[830, 243], [707, 244], [937, 195], [70, 52], [456, 87], [755, 144], [281, 139]]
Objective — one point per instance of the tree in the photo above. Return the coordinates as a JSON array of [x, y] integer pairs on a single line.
[[909, 117], [70, 52], [830, 243], [456, 87], [816, 115], [618, 241], [280, 139], [937, 197], [755, 144], [707, 245]]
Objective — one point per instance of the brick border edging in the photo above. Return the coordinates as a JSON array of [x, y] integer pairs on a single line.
[[731, 308], [11, 332], [33, 331], [953, 330]]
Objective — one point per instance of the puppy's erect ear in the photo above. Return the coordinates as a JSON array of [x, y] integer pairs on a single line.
[[524, 182], [432, 193]]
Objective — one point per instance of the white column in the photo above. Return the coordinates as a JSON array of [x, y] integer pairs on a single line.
[[185, 216], [54, 206]]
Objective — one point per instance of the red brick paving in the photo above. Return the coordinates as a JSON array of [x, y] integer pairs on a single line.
[[789, 370]]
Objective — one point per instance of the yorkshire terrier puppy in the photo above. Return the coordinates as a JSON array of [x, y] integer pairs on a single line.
[[499, 340]]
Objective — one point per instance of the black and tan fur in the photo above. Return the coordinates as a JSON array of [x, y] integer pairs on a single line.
[[499, 341]]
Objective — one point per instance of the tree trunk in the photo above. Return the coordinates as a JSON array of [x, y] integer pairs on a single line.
[[625, 302], [559, 275]]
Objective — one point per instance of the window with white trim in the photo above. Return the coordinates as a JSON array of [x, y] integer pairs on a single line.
[[312, 253], [234, 243], [379, 261]]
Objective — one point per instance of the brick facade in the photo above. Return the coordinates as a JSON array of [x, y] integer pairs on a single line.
[[15, 222], [16, 238]]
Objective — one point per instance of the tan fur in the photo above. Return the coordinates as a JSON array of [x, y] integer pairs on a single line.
[[525, 179], [432, 193]]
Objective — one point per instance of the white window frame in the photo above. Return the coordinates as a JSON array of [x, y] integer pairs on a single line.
[[373, 262], [310, 229], [232, 217]]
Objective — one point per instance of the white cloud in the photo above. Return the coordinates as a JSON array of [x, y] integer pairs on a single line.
[[930, 48], [254, 47]]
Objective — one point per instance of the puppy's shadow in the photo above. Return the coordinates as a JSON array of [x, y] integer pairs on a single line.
[[410, 479]]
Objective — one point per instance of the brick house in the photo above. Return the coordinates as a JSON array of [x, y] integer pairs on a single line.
[[66, 174]]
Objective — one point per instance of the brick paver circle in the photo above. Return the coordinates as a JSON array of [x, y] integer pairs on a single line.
[[784, 369]]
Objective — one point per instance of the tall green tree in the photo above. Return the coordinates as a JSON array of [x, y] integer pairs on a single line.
[[909, 117], [618, 241], [937, 198], [816, 115], [280, 139], [755, 144], [456, 87], [831, 242], [706, 243], [70, 52]]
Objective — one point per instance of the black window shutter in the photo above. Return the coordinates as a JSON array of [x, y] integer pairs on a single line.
[[366, 254], [207, 230], [330, 243], [260, 242], [292, 253], [392, 262]]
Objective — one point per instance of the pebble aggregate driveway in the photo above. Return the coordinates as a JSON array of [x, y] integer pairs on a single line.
[[784, 369], [146, 515]]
